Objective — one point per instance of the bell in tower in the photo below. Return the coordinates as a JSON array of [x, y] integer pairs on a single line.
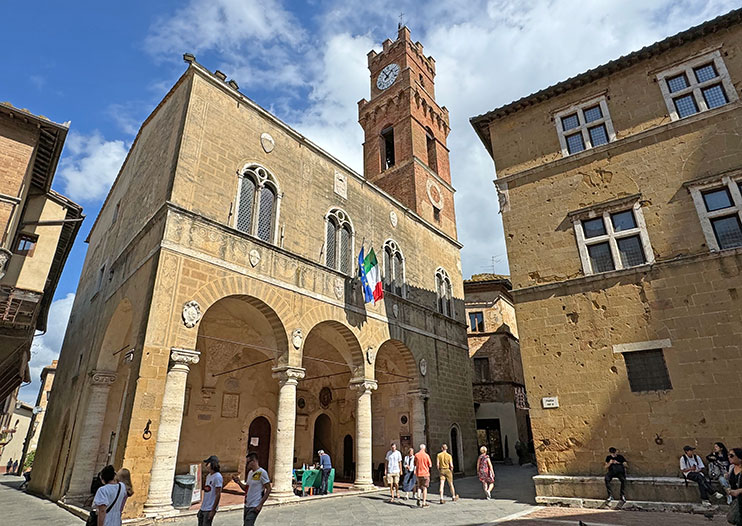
[[404, 149]]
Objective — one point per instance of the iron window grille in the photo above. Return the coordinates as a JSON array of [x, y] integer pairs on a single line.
[[647, 370], [258, 203]]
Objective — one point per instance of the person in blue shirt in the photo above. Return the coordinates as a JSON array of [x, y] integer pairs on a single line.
[[325, 465]]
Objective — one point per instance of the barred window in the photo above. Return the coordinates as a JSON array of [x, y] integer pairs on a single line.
[[394, 280], [614, 240], [647, 370], [257, 203], [339, 241], [698, 85], [719, 206], [443, 292], [584, 126]]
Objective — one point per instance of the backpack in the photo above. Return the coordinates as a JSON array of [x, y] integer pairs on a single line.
[[93, 517]]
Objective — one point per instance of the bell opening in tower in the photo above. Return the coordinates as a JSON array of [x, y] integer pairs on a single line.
[[387, 148]]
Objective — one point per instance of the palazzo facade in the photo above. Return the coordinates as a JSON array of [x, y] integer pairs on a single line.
[[219, 308]]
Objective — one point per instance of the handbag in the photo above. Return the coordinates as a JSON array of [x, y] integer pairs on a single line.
[[93, 517], [733, 513]]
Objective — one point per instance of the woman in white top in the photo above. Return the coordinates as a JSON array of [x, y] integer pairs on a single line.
[[408, 476], [109, 499]]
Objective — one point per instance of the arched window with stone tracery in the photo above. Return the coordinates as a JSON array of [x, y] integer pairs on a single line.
[[443, 292], [258, 203], [339, 235], [394, 277]]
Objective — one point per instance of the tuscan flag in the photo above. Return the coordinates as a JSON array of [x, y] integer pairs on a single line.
[[370, 277]]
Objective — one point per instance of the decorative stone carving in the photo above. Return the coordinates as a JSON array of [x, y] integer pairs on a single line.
[[393, 219], [267, 142], [296, 337], [338, 288], [423, 367], [364, 386], [341, 185], [286, 375], [184, 356], [434, 194], [103, 378], [370, 355], [395, 310], [191, 313], [254, 257], [206, 394]]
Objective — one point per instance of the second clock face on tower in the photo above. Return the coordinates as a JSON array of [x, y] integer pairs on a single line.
[[387, 76]]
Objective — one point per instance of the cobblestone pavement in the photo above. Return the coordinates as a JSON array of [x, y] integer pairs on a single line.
[[17, 507], [553, 516]]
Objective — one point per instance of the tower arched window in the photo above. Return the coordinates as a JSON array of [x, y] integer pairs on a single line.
[[258, 200], [339, 241], [443, 292], [394, 280]]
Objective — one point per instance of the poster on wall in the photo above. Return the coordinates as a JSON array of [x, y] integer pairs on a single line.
[[195, 470]]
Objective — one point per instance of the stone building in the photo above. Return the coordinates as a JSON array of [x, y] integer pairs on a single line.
[[500, 406], [11, 444], [37, 229], [42, 401], [219, 310], [621, 200]]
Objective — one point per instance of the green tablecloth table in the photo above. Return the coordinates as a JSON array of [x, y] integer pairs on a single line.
[[312, 478]]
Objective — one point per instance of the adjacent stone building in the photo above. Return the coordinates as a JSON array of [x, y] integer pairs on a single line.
[[219, 310], [621, 196], [500, 405], [12, 434], [37, 229], [42, 401]]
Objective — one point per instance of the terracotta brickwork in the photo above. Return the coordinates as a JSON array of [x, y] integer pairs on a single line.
[[577, 328], [152, 386]]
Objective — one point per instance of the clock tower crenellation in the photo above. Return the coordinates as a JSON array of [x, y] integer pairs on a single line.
[[405, 150]]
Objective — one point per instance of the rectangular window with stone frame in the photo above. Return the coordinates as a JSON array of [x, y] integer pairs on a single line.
[[612, 236], [647, 370], [583, 126], [718, 202], [699, 84]]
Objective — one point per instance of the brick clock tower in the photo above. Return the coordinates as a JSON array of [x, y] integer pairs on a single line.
[[404, 152]]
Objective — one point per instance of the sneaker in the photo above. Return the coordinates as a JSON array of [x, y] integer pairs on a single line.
[[487, 496], [706, 503], [718, 495], [609, 499], [623, 498]]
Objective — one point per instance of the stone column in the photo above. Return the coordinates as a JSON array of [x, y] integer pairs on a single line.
[[159, 500], [419, 396], [84, 466], [364, 466], [283, 463]]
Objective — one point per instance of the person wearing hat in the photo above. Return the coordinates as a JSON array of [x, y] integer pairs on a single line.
[[212, 491], [692, 467]]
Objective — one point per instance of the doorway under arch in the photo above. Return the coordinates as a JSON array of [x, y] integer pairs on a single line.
[[456, 450], [322, 436], [259, 440], [348, 465]]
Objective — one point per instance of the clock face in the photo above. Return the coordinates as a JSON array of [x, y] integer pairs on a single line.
[[387, 76]]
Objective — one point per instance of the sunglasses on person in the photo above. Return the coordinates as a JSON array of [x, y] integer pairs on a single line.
[[731, 455]]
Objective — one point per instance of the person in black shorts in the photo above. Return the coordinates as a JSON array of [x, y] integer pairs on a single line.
[[616, 466]]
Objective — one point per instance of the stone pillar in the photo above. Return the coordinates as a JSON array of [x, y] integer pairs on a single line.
[[364, 465], [419, 396], [84, 466], [159, 500], [283, 463]]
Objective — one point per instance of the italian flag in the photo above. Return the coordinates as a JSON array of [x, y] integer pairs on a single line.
[[370, 277]]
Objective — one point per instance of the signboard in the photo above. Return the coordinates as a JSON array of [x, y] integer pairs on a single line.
[[195, 470], [550, 402]]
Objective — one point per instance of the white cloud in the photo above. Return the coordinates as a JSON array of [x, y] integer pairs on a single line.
[[89, 165], [487, 53], [46, 347]]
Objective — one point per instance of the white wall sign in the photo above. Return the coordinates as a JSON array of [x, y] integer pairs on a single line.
[[550, 402]]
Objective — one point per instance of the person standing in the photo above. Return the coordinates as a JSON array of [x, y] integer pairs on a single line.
[[9, 466], [15, 467], [486, 472], [691, 465], [393, 470], [735, 486], [422, 472], [615, 465], [718, 461], [325, 466], [444, 461], [109, 499], [408, 477], [212, 491], [257, 489]]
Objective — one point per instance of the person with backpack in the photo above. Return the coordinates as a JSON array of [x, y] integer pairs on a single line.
[[718, 461], [692, 466], [108, 502]]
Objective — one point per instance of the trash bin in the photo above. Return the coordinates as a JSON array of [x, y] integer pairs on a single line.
[[183, 490]]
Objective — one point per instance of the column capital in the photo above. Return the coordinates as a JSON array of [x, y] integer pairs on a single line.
[[184, 356], [285, 374], [364, 385], [422, 394], [102, 378]]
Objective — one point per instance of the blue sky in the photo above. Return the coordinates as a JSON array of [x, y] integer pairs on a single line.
[[105, 65]]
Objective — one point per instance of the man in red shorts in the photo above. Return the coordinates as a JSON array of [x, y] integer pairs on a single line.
[[422, 471]]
